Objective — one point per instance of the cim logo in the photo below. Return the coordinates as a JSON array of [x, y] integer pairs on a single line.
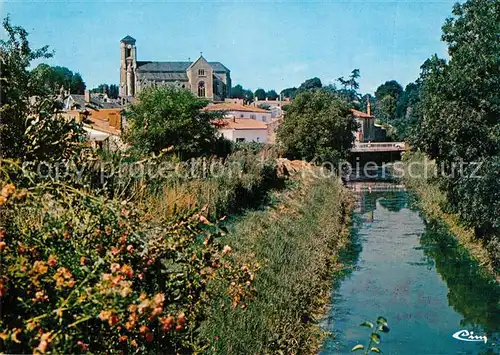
[[465, 335]]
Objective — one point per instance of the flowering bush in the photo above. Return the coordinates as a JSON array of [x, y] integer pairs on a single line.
[[81, 273]]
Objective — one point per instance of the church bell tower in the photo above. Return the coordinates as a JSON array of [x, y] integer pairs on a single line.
[[128, 66]]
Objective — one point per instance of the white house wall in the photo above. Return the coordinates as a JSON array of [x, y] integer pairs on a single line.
[[249, 135], [259, 116]]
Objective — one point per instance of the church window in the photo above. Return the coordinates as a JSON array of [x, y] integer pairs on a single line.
[[201, 72], [201, 89]]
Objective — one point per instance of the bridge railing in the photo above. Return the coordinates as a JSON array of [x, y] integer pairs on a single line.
[[379, 146]]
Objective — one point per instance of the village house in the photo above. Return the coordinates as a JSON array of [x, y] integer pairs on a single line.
[[243, 130], [210, 80], [275, 106], [369, 131], [239, 110], [100, 115]]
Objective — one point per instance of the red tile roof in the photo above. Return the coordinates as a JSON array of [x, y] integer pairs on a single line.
[[360, 114], [240, 123], [234, 107]]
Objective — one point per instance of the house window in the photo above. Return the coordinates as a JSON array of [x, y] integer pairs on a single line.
[[201, 89], [258, 139], [264, 118], [242, 115], [240, 139], [201, 72], [253, 117]]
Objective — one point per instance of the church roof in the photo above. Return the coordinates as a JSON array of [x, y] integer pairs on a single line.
[[175, 67], [128, 39], [160, 75]]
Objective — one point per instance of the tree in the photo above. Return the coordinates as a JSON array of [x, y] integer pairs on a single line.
[[113, 91], [459, 113], [349, 91], [100, 89], [272, 95], [237, 92], [248, 95], [318, 126], [55, 77], [167, 116], [310, 84], [260, 94], [289, 92], [77, 84], [28, 128], [387, 96]]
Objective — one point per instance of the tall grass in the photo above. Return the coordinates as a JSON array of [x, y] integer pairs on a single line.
[[432, 201], [296, 245]]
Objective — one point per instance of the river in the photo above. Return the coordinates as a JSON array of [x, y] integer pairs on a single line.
[[414, 274]]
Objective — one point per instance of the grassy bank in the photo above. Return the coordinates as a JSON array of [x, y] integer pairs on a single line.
[[432, 201], [291, 251]]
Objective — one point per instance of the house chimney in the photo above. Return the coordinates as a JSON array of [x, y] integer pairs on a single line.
[[87, 96], [368, 107]]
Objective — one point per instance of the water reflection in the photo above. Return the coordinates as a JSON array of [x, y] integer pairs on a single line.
[[415, 274]]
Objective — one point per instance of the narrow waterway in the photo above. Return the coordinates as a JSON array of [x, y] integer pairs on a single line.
[[415, 275]]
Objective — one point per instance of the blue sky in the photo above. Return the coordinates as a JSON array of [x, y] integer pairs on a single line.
[[272, 45]]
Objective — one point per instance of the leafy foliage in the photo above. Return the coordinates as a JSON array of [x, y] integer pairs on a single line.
[[55, 77], [167, 116], [28, 128], [112, 90], [460, 112], [319, 126], [379, 327], [260, 94], [272, 95]]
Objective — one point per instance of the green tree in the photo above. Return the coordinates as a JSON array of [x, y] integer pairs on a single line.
[[53, 77], [272, 95], [349, 91], [460, 110], [77, 84], [237, 92], [113, 91], [167, 116], [248, 95], [309, 84], [387, 96], [260, 94], [289, 92], [28, 128], [319, 126]]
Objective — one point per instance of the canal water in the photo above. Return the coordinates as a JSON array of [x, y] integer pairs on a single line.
[[414, 274]]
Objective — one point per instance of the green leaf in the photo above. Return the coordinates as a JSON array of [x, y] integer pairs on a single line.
[[357, 347], [375, 350], [376, 338], [382, 320], [367, 324], [383, 329]]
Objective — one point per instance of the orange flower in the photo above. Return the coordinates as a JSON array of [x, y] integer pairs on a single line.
[[143, 329], [113, 319], [159, 299], [104, 315], [127, 270], [181, 318], [52, 260], [123, 339], [167, 322], [107, 230], [226, 250], [130, 248], [8, 190], [115, 267], [39, 267], [84, 261], [2, 245], [132, 308]]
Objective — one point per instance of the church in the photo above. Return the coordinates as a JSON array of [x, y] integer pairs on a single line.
[[209, 80]]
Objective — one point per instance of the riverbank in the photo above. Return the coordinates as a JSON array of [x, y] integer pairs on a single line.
[[293, 248], [431, 201]]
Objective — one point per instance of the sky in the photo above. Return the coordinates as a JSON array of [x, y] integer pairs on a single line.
[[270, 45]]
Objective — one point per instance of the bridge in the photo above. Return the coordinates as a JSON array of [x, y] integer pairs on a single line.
[[378, 147]]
